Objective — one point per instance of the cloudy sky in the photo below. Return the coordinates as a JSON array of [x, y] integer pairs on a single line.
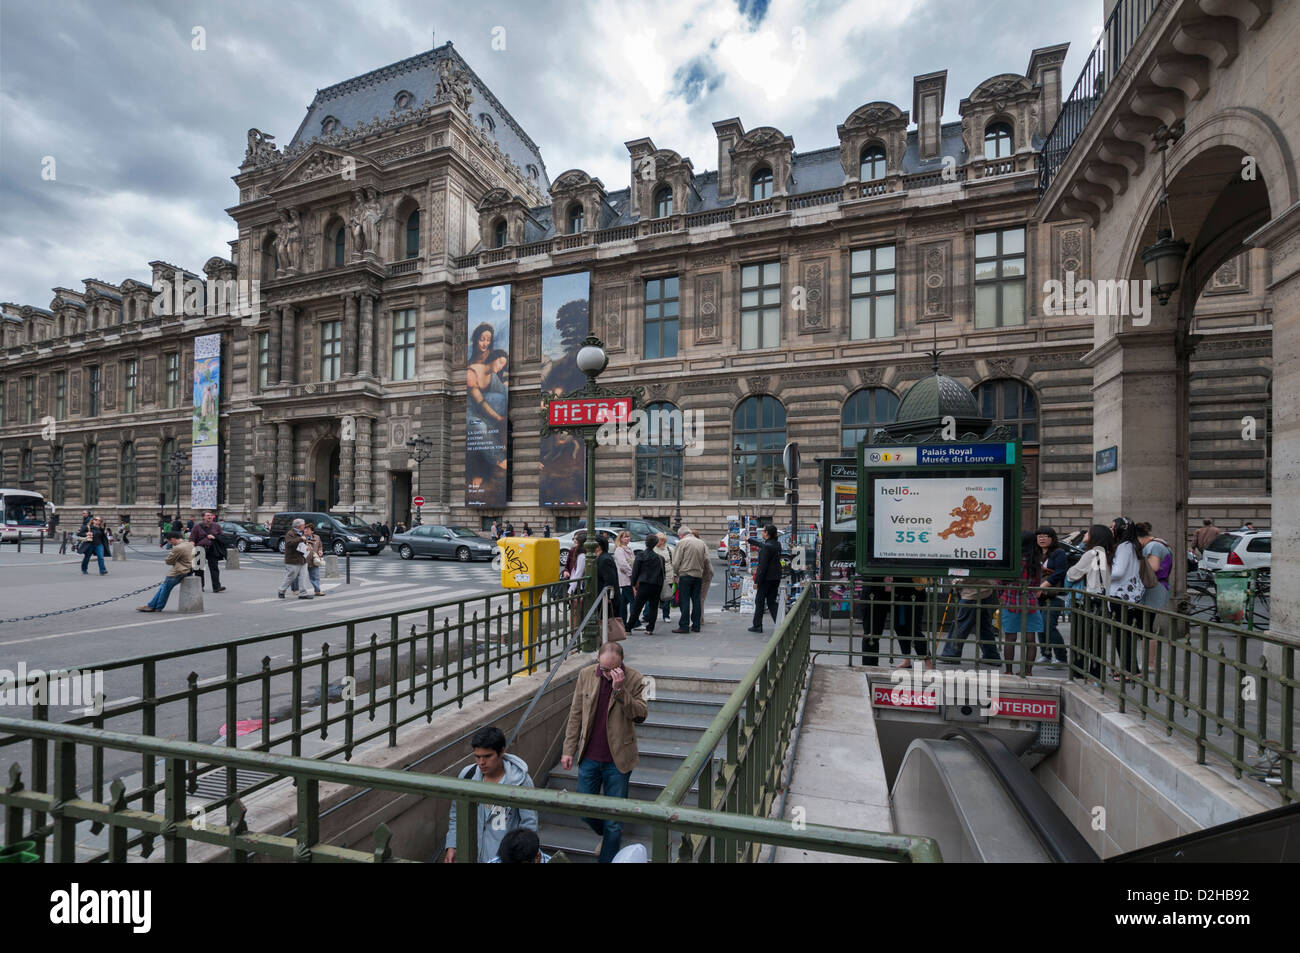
[[118, 137]]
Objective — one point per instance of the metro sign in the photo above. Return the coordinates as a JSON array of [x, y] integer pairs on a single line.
[[587, 411]]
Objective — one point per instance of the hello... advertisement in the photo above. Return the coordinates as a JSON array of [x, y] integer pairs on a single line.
[[957, 518]]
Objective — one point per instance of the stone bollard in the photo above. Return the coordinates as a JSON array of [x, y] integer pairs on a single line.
[[191, 595], [119, 551], [331, 567], [232, 559]]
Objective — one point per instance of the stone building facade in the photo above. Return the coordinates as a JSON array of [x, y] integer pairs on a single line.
[[807, 290]]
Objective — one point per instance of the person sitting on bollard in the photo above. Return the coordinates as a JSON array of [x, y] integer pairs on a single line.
[[180, 562]]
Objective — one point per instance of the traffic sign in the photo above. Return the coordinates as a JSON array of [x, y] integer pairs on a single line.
[[418, 501]]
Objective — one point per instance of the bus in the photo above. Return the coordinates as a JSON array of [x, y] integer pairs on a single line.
[[23, 514]]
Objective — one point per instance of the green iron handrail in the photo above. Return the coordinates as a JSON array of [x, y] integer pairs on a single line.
[[176, 828]]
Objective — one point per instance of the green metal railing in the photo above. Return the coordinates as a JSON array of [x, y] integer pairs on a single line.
[[466, 647], [1192, 676], [757, 722], [177, 828]]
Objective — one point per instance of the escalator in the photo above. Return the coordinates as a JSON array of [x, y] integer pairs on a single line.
[[974, 795]]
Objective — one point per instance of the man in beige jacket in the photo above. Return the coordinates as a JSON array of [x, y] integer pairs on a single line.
[[690, 562], [608, 702], [180, 563]]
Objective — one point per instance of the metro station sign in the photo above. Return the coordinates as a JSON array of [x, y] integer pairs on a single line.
[[587, 411]]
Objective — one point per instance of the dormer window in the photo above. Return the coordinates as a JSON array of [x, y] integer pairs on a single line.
[[760, 184], [329, 126], [575, 218], [532, 172], [403, 100], [486, 122], [872, 166], [499, 234], [663, 202], [997, 140]]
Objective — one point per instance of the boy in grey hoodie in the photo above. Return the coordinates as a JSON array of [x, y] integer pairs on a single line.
[[492, 764]]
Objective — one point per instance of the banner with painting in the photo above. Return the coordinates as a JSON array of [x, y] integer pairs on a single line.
[[487, 396], [206, 454], [565, 322]]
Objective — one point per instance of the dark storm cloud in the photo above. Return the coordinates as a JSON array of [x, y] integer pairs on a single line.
[[147, 131]]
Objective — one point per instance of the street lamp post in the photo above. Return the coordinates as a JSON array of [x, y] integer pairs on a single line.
[[176, 463], [680, 450], [420, 448], [591, 360]]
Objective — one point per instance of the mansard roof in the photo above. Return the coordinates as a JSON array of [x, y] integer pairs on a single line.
[[360, 99]]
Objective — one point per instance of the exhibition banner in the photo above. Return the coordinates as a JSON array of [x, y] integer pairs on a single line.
[[487, 396], [205, 455], [565, 322]]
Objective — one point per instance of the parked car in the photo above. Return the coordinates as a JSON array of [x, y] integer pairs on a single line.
[[611, 530], [436, 542], [339, 534], [244, 536], [1238, 550]]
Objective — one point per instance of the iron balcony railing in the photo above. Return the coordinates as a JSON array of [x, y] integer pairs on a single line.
[[1207, 682], [364, 689], [1123, 27]]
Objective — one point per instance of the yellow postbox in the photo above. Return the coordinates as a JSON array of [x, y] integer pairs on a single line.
[[527, 562]]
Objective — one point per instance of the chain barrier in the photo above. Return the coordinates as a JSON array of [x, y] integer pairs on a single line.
[[92, 605]]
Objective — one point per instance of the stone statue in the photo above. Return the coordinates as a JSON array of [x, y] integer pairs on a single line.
[[453, 87], [261, 146], [367, 213], [290, 241]]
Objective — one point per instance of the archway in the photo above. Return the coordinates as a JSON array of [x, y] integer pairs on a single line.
[[325, 474]]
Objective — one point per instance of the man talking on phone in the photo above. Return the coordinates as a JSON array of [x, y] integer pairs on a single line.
[[608, 703]]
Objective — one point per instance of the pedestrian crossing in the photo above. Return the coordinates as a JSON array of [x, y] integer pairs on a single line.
[[424, 568], [343, 601]]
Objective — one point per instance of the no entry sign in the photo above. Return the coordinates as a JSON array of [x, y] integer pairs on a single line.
[[418, 501]]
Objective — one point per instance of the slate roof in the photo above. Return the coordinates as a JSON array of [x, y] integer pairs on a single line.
[[362, 98]]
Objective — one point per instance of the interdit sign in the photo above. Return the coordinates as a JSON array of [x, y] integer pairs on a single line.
[[587, 411], [1030, 709]]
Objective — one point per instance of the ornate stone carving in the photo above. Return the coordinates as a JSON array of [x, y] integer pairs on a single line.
[[261, 147], [288, 243], [612, 316], [759, 385], [939, 227], [532, 308], [365, 215], [813, 279], [1232, 277], [936, 279], [453, 87], [871, 376], [1001, 366], [1071, 251], [437, 225], [708, 291], [319, 166], [710, 261]]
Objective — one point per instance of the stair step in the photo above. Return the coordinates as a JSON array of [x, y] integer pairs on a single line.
[[548, 821], [582, 845], [646, 784], [687, 702]]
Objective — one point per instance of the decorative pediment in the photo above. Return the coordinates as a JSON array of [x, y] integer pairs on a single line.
[[1006, 97], [761, 138], [570, 180], [131, 286], [874, 115], [320, 163], [494, 198], [762, 146], [880, 123], [1002, 90]]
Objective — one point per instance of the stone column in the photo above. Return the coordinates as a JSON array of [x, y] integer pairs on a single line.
[[362, 465], [1281, 237], [288, 345], [273, 356], [347, 450], [349, 335], [283, 463], [366, 346]]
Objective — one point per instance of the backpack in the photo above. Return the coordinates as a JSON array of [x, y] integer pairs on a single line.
[[1145, 573]]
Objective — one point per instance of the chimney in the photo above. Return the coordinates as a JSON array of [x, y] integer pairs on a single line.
[[638, 151], [730, 132], [927, 109], [1045, 72]]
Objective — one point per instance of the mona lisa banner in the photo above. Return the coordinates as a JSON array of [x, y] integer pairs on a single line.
[[205, 456], [487, 396], [565, 308]]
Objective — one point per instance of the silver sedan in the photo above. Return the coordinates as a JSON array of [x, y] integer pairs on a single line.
[[451, 542]]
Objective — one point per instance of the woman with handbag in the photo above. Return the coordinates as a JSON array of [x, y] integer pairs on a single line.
[[315, 555], [607, 583], [95, 542]]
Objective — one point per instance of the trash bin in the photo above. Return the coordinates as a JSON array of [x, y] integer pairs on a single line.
[[1232, 588]]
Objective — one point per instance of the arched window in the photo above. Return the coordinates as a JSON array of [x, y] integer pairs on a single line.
[[864, 411], [340, 242], [997, 140], [328, 126], [499, 234], [575, 218], [270, 258], [760, 184], [1011, 403], [872, 164], [658, 463], [90, 474], [413, 234], [758, 437], [126, 475], [486, 122], [170, 480], [663, 202]]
